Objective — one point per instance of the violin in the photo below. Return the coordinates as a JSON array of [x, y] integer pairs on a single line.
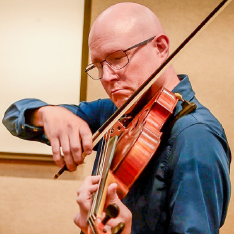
[[126, 151], [129, 142]]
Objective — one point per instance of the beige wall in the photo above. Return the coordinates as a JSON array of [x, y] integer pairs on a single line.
[[32, 202], [40, 57]]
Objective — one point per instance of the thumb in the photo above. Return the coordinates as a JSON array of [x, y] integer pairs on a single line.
[[112, 196], [125, 215]]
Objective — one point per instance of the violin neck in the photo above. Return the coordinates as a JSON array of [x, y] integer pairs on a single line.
[[104, 163]]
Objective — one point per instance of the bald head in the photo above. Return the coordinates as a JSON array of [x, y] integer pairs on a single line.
[[125, 20], [125, 26]]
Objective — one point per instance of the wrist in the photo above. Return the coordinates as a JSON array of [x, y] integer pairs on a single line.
[[34, 117], [38, 117]]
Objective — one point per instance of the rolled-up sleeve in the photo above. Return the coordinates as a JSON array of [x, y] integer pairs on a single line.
[[14, 120]]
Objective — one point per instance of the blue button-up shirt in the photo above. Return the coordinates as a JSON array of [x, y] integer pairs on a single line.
[[185, 188]]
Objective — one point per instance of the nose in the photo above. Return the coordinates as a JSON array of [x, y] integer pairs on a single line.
[[109, 74]]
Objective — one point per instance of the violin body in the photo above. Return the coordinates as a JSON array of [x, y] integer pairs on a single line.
[[140, 140]]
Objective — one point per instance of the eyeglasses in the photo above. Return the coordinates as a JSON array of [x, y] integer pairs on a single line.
[[116, 60]]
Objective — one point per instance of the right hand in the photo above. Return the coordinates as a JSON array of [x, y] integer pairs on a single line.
[[66, 130]]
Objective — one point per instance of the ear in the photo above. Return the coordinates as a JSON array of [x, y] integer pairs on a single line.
[[162, 44]]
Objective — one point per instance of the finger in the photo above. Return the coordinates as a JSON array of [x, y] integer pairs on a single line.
[[89, 180], [86, 139], [85, 193], [56, 152], [92, 189], [65, 144], [76, 149], [94, 179], [81, 222], [112, 196], [76, 219]]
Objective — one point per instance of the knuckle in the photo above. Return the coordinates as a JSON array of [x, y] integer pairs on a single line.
[[87, 144], [70, 164], [77, 220], [75, 148], [71, 167], [80, 200], [85, 130], [87, 133], [77, 199], [58, 160], [53, 134], [66, 151], [56, 151], [89, 178], [70, 126], [78, 192], [78, 161], [86, 181], [77, 157]]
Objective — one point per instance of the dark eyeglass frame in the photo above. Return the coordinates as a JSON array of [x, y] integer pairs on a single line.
[[92, 66]]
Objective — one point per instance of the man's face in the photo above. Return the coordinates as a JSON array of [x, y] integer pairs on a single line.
[[143, 61]]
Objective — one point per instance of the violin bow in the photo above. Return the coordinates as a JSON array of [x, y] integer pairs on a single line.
[[149, 82]]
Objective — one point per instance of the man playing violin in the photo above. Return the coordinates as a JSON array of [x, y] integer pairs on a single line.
[[186, 187]]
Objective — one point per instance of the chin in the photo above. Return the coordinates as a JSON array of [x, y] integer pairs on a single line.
[[119, 100], [119, 103]]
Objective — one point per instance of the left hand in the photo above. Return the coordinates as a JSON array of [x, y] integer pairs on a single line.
[[84, 200]]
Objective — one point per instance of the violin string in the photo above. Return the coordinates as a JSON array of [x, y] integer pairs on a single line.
[[96, 173], [102, 166], [103, 156], [92, 225], [99, 159], [100, 169], [103, 159]]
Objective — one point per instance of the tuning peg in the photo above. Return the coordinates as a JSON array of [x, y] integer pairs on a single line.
[[112, 211], [118, 229]]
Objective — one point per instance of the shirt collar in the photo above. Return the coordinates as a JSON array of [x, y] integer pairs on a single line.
[[184, 88]]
